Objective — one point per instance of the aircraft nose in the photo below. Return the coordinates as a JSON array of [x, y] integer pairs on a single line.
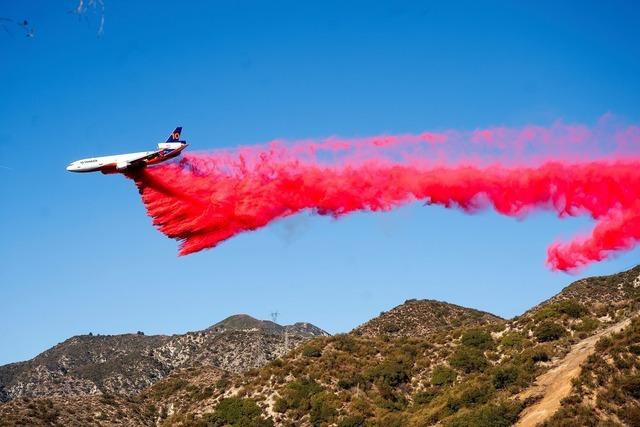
[[71, 167]]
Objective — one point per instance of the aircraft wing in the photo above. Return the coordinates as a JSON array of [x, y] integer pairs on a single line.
[[142, 161]]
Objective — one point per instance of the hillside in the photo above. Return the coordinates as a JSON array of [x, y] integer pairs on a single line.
[[457, 375], [422, 363], [126, 364]]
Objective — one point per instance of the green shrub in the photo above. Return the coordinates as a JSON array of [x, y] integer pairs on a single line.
[[168, 387], [470, 395], [502, 414], [237, 412], [549, 331], [621, 362], [361, 406], [322, 409], [348, 381], [311, 350], [352, 421], [548, 312], [390, 372], [571, 308], [297, 395], [409, 350], [578, 415], [392, 420], [280, 405], [442, 375], [477, 338], [631, 386], [512, 340], [587, 324], [389, 398], [539, 354], [345, 343], [426, 396], [505, 376], [603, 344], [468, 359], [223, 382]]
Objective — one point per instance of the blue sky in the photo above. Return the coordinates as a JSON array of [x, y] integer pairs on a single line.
[[78, 253]]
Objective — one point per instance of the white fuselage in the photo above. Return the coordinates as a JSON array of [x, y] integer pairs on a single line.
[[99, 163]]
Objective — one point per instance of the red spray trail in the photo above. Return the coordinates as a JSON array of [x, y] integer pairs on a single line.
[[205, 199]]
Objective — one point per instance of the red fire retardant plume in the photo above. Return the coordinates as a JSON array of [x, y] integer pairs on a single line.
[[205, 199]]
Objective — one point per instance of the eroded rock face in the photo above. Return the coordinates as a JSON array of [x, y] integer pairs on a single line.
[[125, 364]]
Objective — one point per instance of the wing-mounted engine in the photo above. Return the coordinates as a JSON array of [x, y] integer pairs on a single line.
[[122, 165]]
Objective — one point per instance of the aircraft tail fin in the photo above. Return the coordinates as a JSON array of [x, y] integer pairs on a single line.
[[175, 135]]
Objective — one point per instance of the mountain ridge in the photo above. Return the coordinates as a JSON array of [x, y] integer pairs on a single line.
[[127, 363]]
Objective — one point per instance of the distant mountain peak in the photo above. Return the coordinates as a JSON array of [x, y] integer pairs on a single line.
[[244, 322]]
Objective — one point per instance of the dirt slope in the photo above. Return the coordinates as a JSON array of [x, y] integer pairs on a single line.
[[555, 384]]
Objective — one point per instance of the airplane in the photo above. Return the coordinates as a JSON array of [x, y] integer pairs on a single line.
[[121, 163]]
